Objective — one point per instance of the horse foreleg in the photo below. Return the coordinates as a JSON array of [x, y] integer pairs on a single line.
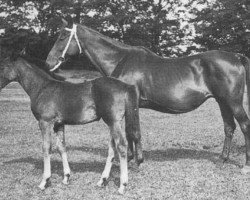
[[60, 143], [109, 163], [46, 129]]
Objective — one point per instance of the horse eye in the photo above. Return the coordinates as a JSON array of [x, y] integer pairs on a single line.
[[63, 37]]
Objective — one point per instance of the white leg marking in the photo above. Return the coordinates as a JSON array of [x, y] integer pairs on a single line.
[[109, 163]]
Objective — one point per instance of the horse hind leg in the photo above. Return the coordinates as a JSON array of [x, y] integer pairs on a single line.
[[229, 128], [60, 144], [108, 165], [134, 147], [244, 122], [118, 142]]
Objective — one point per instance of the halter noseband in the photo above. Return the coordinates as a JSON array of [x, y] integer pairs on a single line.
[[72, 33]]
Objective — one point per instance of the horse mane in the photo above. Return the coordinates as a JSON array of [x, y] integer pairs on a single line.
[[41, 65], [106, 38], [116, 42]]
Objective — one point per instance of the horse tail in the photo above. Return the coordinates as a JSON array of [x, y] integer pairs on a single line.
[[246, 63], [132, 123]]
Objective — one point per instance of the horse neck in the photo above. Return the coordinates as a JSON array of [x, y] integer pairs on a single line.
[[104, 52], [31, 80]]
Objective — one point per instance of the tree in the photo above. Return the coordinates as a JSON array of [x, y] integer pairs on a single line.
[[224, 24], [150, 23], [153, 24]]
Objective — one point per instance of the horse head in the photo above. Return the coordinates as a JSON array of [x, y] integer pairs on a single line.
[[7, 71], [67, 44]]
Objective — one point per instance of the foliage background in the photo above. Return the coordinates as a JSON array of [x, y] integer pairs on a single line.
[[167, 27]]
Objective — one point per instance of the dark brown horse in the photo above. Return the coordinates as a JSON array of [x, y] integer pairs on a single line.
[[168, 85], [55, 104]]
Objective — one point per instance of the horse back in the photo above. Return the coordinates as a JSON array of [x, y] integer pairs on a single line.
[[180, 84]]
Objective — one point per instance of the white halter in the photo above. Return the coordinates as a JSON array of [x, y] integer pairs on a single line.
[[72, 33]]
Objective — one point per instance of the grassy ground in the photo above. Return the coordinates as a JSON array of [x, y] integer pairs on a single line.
[[181, 154]]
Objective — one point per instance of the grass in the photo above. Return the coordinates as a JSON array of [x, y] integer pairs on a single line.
[[181, 157]]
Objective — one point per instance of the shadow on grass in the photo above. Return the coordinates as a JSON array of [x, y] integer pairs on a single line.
[[56, 166], [171, 154]]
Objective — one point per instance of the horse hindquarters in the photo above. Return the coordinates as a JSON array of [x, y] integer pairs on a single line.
[[229, 94], [110, 97]]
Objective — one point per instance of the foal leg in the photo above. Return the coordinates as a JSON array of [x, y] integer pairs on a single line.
[[60, 143], [46, 129], [109, 162], [121, 147], [229, 128], [244, 122]]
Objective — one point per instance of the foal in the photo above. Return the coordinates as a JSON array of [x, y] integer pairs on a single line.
[[55, 104]]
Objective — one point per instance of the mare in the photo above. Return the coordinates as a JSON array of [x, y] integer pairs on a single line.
[[57, 103], [177, 85]]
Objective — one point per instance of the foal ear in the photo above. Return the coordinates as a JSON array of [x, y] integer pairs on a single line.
[[65, 23]]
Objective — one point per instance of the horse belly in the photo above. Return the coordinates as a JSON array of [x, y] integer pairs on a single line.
[[80, 115], [177, 99]]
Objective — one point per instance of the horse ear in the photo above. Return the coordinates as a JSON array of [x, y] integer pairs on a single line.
[[70, 21], [65, 23], [23, 52]]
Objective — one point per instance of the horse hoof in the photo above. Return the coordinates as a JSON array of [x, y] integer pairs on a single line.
[[224, 159], [41, 186], [66, 179], [245, 169], [140, 161], [44, 184], [130, 157], [102, 182], [121, 190]]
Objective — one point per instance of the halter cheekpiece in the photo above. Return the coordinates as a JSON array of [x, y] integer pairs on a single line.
[[72, 33]]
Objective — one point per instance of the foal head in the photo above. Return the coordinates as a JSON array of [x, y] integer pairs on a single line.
[[7, 71], [66, 44]]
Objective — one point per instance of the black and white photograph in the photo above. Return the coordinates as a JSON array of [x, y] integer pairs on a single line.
[[124, 100]]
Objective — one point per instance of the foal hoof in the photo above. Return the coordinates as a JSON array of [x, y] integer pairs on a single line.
[[245, 170], [102, 182], [44, 184], [121, 190], [66, 179]]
